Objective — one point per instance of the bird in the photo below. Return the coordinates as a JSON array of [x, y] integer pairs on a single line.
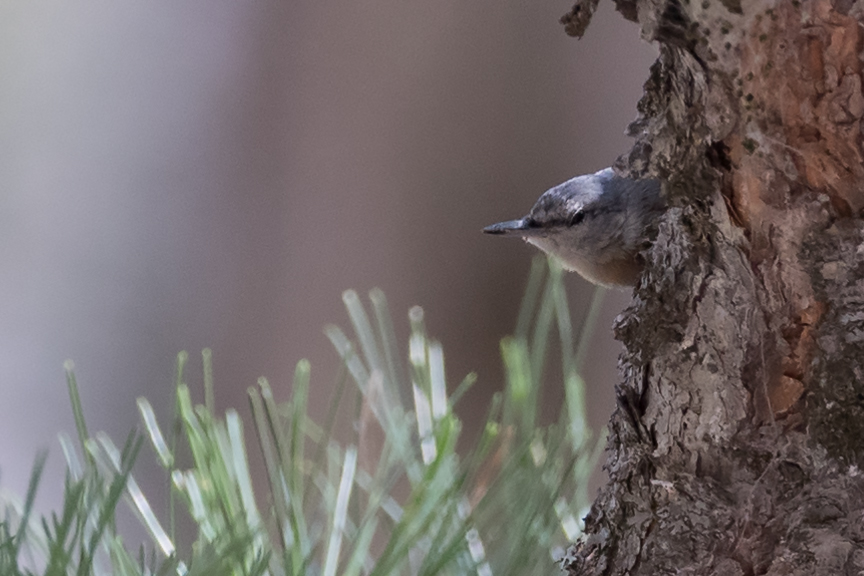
[[595, 224]]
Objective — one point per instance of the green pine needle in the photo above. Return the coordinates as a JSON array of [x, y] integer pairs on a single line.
[[397, 499]]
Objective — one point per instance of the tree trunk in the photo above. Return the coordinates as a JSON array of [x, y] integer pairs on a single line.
[[737, 447]]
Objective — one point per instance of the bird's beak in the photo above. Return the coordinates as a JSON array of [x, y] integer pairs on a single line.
[[521, 227]]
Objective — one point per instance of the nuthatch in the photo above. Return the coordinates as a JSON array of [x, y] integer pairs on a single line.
[[594, 224]]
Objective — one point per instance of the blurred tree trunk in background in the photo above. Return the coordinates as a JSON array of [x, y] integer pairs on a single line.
[[738, 444]]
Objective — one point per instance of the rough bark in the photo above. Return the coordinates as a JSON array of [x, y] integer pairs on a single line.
[[738, 444]]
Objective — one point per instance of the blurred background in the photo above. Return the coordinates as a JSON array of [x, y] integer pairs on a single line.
[[178, 175]]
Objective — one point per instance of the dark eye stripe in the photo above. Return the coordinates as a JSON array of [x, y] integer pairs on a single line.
[[576, 218]]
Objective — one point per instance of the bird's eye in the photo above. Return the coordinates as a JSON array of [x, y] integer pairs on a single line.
[[576, 218]]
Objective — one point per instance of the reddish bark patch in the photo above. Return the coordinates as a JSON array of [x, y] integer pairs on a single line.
[[801, 99]]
